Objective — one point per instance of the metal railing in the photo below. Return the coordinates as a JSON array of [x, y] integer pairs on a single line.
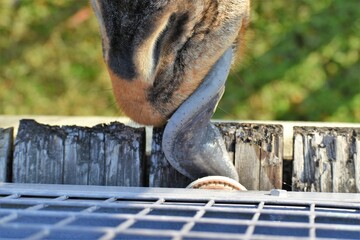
[[92, 212]]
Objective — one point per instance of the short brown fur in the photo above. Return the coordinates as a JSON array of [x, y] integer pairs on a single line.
[[131, 97]]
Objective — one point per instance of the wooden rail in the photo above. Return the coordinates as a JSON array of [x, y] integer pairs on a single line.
[[325, 159]]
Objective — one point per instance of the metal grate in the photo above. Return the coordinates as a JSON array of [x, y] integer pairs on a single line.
[[90, 212]]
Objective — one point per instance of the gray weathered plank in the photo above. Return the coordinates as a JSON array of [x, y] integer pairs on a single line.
[[76, 155], [356, 154], [247, 163], [271, 170], [326, 160], [102, 155], [258, 156], [125, 150], [38, 154], [6, 145]]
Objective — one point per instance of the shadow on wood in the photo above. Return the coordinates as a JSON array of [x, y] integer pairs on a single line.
[[6, 146]]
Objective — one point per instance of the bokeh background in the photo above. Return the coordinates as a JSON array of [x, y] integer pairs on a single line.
[[302, 62]]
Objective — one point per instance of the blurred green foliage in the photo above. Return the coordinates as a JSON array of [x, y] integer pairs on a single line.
[[302, 62]]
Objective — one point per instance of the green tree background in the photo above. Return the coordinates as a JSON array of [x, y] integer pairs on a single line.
[[302, 62]]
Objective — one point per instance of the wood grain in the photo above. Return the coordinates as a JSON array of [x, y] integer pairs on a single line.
[[258, 156], [326, 160], [102, 155]]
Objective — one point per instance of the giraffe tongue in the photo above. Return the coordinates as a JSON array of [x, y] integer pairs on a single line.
[[191, 143]]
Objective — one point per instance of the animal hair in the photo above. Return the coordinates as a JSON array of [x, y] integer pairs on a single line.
[[158, 51]]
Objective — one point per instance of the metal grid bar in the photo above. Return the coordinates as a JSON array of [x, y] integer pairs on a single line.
[[88, 212]]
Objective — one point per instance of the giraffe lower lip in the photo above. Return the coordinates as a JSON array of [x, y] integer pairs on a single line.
[[193, 145]]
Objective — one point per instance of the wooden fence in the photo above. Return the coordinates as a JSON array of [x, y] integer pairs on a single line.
[[323, 159]]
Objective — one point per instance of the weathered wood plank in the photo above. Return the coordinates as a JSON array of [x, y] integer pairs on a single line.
[[160, 172], [97, 158], [125, 150], [103, 155], [325, 160], [258, 156], [6, 145], [37, 153], [271, 170], [248, 165], [322, 173], [247, 160], [76, 155], [356, 154]]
